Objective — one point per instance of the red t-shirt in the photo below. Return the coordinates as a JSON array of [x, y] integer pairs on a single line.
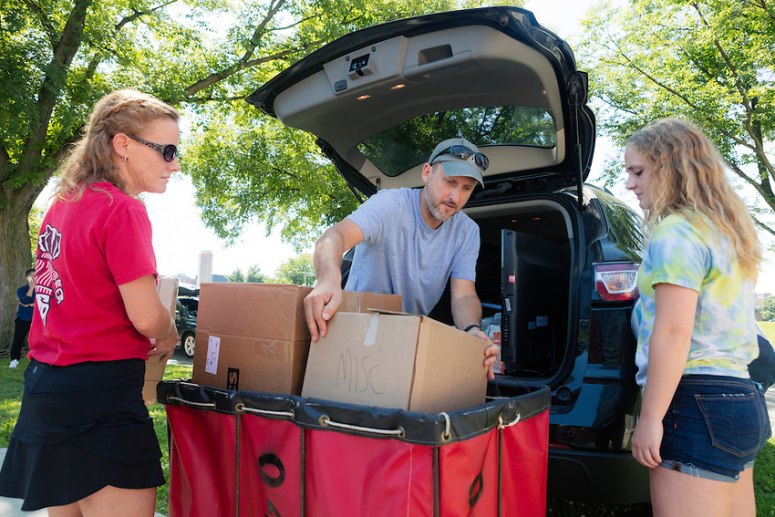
[[86, 249]]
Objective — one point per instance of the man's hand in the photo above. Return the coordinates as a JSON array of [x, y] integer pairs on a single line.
[[490, 353], [490, 357], [320, 305]]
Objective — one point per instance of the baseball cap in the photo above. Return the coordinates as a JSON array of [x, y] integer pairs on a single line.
[[460, 158]]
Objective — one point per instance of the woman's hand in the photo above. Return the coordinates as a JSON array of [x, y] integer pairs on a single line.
[[149, 316], [646, 441], [165, 347]]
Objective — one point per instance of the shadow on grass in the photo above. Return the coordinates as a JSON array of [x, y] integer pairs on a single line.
[[557, 508]]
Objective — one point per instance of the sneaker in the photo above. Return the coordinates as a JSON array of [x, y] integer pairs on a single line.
[[14, 363]]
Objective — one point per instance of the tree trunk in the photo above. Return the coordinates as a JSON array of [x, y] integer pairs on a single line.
[[15, 258], [14, 228]]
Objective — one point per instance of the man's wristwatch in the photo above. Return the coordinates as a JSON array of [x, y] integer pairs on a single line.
[[472, 326]]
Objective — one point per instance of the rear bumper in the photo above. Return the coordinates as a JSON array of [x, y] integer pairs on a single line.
[[597, 476]]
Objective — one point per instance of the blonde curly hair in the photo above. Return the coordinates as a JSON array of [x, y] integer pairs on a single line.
[[689, 174], [91, 160]]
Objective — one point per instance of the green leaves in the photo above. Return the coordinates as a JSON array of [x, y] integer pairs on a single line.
[[768, 309], [267, 172], [709, 61], [204, 57], [297, 271]]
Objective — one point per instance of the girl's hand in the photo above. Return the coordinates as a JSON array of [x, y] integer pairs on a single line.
[[646, 441]]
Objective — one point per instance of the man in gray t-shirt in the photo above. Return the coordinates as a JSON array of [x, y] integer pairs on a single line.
[[410, 242]]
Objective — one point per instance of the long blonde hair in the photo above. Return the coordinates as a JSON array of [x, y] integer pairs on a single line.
[[689, 174], [91, 160]]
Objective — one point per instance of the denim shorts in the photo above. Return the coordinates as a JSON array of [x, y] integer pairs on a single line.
[[714, 427]]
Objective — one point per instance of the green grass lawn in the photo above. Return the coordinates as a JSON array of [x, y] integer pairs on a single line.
[[11, 387], [769, 330], [11, 384]]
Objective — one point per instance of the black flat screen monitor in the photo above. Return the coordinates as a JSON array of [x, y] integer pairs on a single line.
[[534, 276]]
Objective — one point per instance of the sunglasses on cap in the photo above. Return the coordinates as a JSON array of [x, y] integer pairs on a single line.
[[464, 153], [169, 152]]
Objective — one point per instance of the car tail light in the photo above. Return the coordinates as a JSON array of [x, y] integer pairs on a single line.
[[617, 282]]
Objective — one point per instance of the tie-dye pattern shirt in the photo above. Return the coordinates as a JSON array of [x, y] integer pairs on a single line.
[[686, 250]]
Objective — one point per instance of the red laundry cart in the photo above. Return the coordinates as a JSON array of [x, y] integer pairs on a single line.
[[250, 453]]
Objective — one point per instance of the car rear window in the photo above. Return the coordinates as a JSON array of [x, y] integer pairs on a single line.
[[408, 144]]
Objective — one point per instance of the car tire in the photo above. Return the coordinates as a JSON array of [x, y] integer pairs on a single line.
[[188, 342]]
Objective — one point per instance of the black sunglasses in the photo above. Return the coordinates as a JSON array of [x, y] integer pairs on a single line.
[[169, 152], [464, 153]]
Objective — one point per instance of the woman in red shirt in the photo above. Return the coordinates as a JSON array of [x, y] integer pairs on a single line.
[[84, 442]]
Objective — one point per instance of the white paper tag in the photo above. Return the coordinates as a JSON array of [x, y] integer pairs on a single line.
[[213, 350], [370, 339]]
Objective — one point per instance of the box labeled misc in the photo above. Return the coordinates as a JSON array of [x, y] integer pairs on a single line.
[[396, 361], [254, 336]]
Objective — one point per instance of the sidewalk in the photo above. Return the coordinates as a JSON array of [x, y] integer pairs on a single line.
[[12, 507]]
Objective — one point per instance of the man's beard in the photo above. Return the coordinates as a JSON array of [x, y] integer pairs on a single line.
[[435, 210]]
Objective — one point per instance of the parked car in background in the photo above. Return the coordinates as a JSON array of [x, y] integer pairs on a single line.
[[185, 321], [190, 302], [558, 257]]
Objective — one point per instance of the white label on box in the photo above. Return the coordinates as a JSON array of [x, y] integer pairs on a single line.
[[371, 335], [213, 350]]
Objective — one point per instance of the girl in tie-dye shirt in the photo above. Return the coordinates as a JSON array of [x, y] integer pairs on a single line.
[[685, 250], [702, 419]]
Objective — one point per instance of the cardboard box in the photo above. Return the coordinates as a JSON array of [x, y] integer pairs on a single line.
[[255, 337], [167, 288], [396, 361]]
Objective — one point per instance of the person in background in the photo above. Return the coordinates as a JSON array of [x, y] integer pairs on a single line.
[[702, 419], [84, 443], [410, 242], [26, 295]]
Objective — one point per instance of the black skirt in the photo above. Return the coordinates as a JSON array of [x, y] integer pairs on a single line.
[[81, 428]]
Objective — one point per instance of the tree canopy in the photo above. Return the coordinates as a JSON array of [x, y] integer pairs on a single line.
[[58, 57], [768, 309], [297, 271], [253, 275], [709, 61], [236, 276]]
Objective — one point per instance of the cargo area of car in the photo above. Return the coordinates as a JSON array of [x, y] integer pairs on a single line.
[[523, 281]]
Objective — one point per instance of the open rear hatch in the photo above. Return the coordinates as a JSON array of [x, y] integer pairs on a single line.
[[381, 98]]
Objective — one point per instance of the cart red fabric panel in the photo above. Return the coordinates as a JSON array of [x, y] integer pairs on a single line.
[[203, 473], [468, 476], [524, 466], [352, 476], [269, 467], [250, 453]]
